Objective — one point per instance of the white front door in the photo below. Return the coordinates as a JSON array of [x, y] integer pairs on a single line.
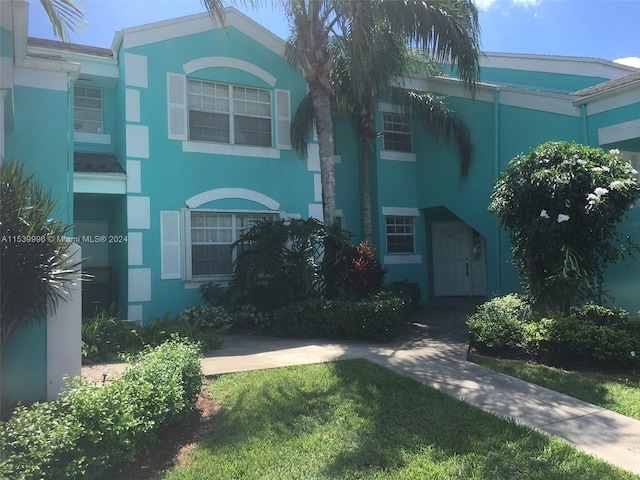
[[452, 259]]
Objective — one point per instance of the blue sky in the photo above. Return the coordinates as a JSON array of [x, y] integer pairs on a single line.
[[607, 29]]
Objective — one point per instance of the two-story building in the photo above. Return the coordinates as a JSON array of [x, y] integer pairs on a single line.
[[165, 147]]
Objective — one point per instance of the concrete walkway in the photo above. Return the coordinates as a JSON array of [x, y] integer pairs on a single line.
[[435, 354], [441, 363]]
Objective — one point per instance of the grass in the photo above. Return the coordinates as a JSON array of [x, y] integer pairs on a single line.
[[613, 392], [355, 420]]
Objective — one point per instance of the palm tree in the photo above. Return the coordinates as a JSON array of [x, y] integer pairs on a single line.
[[372, 55], [65, 16]]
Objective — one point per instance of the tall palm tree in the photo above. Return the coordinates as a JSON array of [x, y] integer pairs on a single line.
[[65, 16], [372, 56]]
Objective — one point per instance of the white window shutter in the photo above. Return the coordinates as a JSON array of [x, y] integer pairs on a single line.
[[283, 119], [177, 106], [170, 245]]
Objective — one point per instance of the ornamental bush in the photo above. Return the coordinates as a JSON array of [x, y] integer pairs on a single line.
[[560, 205], [379, 318], [93, 430]]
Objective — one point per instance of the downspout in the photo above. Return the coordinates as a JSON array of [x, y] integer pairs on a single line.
[[583, 124], [70, 148], [496, 173]]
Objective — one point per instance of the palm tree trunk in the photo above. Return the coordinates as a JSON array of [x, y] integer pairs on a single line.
[[324, 129], [367, 222]]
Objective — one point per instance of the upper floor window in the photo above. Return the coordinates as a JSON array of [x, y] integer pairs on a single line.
[[87, 110], [397, 132], [400, 234], [229, 114]]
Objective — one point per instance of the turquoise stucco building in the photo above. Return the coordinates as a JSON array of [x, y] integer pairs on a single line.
[[163, 148]]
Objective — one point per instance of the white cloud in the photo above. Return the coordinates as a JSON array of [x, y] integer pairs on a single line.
[[487, 4], [631, 61]]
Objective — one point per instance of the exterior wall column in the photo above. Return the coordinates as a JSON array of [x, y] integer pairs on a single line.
[[3, 95]]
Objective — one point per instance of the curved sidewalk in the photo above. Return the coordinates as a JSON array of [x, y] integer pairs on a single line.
[[442, 365]]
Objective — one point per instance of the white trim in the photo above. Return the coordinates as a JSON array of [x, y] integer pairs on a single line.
[[619, 132], [230, 150], [136, 70], [612, 99], [99, 138], [401, 259], [229, 62], [590, 67], [6, 71], [132, 105], [134, 313], [134, 248], [315, 211], [171, 254], [384, 107], [282, 119], [317, 187], [400, 212], [238, 193], [134, 176], [139, 285], [397, 156], [559, 103], [107, 183], [202, 22], [313, 157], [137, 141], [44, 80], [138, 213]]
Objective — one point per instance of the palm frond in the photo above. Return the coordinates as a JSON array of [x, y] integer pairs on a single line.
[[65, 16], [449, 30], [302, 125]]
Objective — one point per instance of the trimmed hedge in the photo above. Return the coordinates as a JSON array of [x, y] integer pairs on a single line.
[[379, 318], [92, 430], [591, 335]]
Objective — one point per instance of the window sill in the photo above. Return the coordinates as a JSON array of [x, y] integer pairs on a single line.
[[85, 137], [397, 156], [193, 283], [231, 150], [402, 259]]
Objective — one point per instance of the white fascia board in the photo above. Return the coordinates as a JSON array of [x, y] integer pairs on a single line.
[[47, 79], [198, 23], [447, 86], [107, 183], [89, 64], [616, 97], [20, 28], [6, 72], [592, 67]]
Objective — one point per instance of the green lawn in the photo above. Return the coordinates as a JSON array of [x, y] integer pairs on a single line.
[[613, 392], [355, 420]]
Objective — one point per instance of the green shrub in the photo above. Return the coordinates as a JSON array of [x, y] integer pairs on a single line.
[[105, 337], [379, 318], [92, 430], [408, 291], [499, 323], [574, 341]]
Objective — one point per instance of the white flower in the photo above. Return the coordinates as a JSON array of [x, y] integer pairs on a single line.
[[581, 162], [614, 151], [633, 354], [544, 214], [599, 191], [616, 184], [562, 217]]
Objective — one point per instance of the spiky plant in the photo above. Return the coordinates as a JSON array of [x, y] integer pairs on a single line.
[[35, 269]]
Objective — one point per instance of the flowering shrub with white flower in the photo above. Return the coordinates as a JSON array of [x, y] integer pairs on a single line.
[[560, 205]]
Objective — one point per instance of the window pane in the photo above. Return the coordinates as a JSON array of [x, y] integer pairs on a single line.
[[211, 260], [87, 110], [208, 127], [252, 131], [400, 234], [397, 132]]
